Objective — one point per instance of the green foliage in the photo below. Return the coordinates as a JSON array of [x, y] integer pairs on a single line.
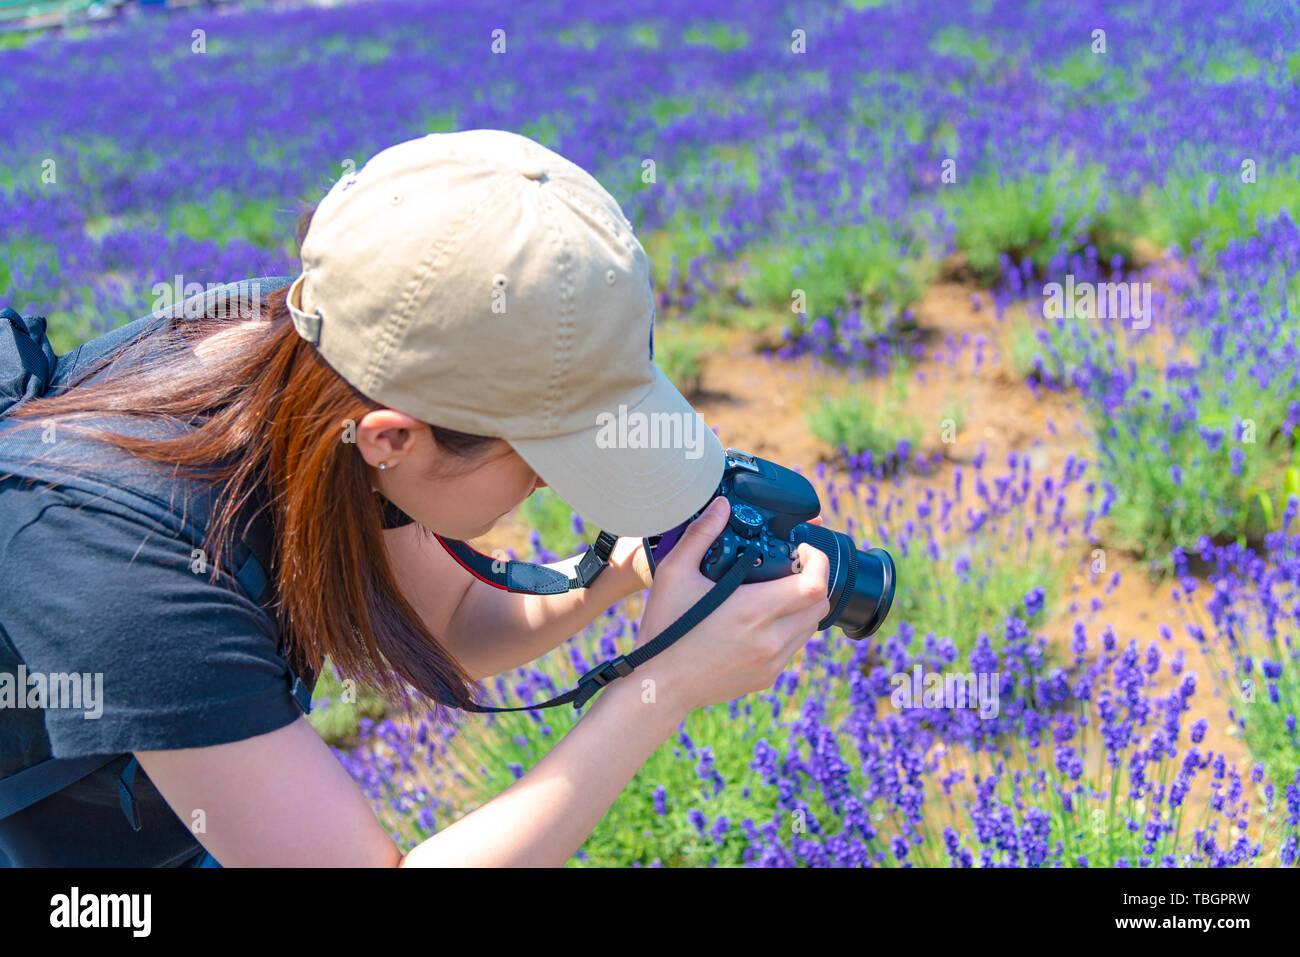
[[667, 108], [1170, 488], [358, 49], [1022, 345], [583, 35], [553, 521], [680, 351], [645, 35], [717, 34], [1249, 637], [863, 422], [221, 216], [974, 585], [1170, 458], [13, 40], [635, 831], [857, 423], [961, 583], [1078, 71], [1266, 733], [487, 758], [865, 265], [688, 235], [335, 718], [1180, 211], [1096, 78], [547, 130], [21, 256], [1263, 512], [957, 42], [1228, 66], [440, 121], [1247, 402], [1046, 347], [632, 831], [736, 162], [1016, 217]]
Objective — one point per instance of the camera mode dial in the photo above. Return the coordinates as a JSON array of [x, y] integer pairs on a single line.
[[746, 520]]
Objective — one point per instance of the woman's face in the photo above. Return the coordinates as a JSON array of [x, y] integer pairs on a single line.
[[454, 497]]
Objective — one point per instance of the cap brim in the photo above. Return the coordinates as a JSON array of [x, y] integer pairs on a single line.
[[629, 482]]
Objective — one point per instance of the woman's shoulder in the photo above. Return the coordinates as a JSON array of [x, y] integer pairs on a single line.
[[43, 465], [97, 588]]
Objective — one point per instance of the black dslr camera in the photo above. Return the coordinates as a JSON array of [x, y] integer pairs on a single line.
[[770, 509]]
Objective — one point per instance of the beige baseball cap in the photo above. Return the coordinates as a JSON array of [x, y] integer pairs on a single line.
[[479, 281]]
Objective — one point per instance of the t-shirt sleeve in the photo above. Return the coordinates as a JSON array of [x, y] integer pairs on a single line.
[[164, 657]]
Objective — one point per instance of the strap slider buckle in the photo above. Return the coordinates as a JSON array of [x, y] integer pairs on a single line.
[[594, 561], [607, 671]]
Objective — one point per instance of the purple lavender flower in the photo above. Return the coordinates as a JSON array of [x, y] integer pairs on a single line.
[[697, 820]]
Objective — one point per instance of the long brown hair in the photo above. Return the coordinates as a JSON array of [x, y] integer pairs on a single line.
[[270, 418]]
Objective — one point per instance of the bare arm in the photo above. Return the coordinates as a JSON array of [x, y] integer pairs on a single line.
[[282, 799], [543, 818], [488, 630]]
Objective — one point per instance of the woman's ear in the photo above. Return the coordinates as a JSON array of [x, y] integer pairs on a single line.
[[386, 436]]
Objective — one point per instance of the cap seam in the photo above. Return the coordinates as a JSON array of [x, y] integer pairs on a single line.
[[424, 271], [627, 239], [622, 235], [501, 166], [564, 324]]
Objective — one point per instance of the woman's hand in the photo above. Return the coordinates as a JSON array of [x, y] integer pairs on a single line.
[[747, 641], [629, 562]]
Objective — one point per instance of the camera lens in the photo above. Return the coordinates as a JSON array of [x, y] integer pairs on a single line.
[[861, 583], [872, 594]]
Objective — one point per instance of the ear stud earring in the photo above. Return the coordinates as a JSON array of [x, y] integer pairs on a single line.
[[382, 466]]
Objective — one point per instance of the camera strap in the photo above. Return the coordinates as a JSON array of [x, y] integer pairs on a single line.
[[533, 579], [540, 580]]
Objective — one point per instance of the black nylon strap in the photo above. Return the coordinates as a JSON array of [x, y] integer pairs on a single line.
[[623, 665], [27, 335], [649, 545], [527, 578]]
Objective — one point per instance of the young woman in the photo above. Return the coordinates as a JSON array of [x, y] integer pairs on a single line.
[[472, 310]]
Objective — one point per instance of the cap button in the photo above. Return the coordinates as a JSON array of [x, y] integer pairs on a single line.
[[531, 170]]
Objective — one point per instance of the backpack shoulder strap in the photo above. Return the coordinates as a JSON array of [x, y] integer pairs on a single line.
[[27, 361], [21, 790], [29, 368]]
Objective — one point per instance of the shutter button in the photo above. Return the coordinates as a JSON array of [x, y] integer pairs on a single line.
[[532, 170]]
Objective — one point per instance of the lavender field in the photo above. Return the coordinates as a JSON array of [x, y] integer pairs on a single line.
[[1045, 263]]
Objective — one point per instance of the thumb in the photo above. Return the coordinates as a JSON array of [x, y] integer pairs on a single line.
[[702, 532]]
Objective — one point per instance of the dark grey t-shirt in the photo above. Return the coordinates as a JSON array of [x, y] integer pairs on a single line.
[[93, 589]]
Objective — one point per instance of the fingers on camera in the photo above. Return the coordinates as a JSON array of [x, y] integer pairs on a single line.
[[713, 515]]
